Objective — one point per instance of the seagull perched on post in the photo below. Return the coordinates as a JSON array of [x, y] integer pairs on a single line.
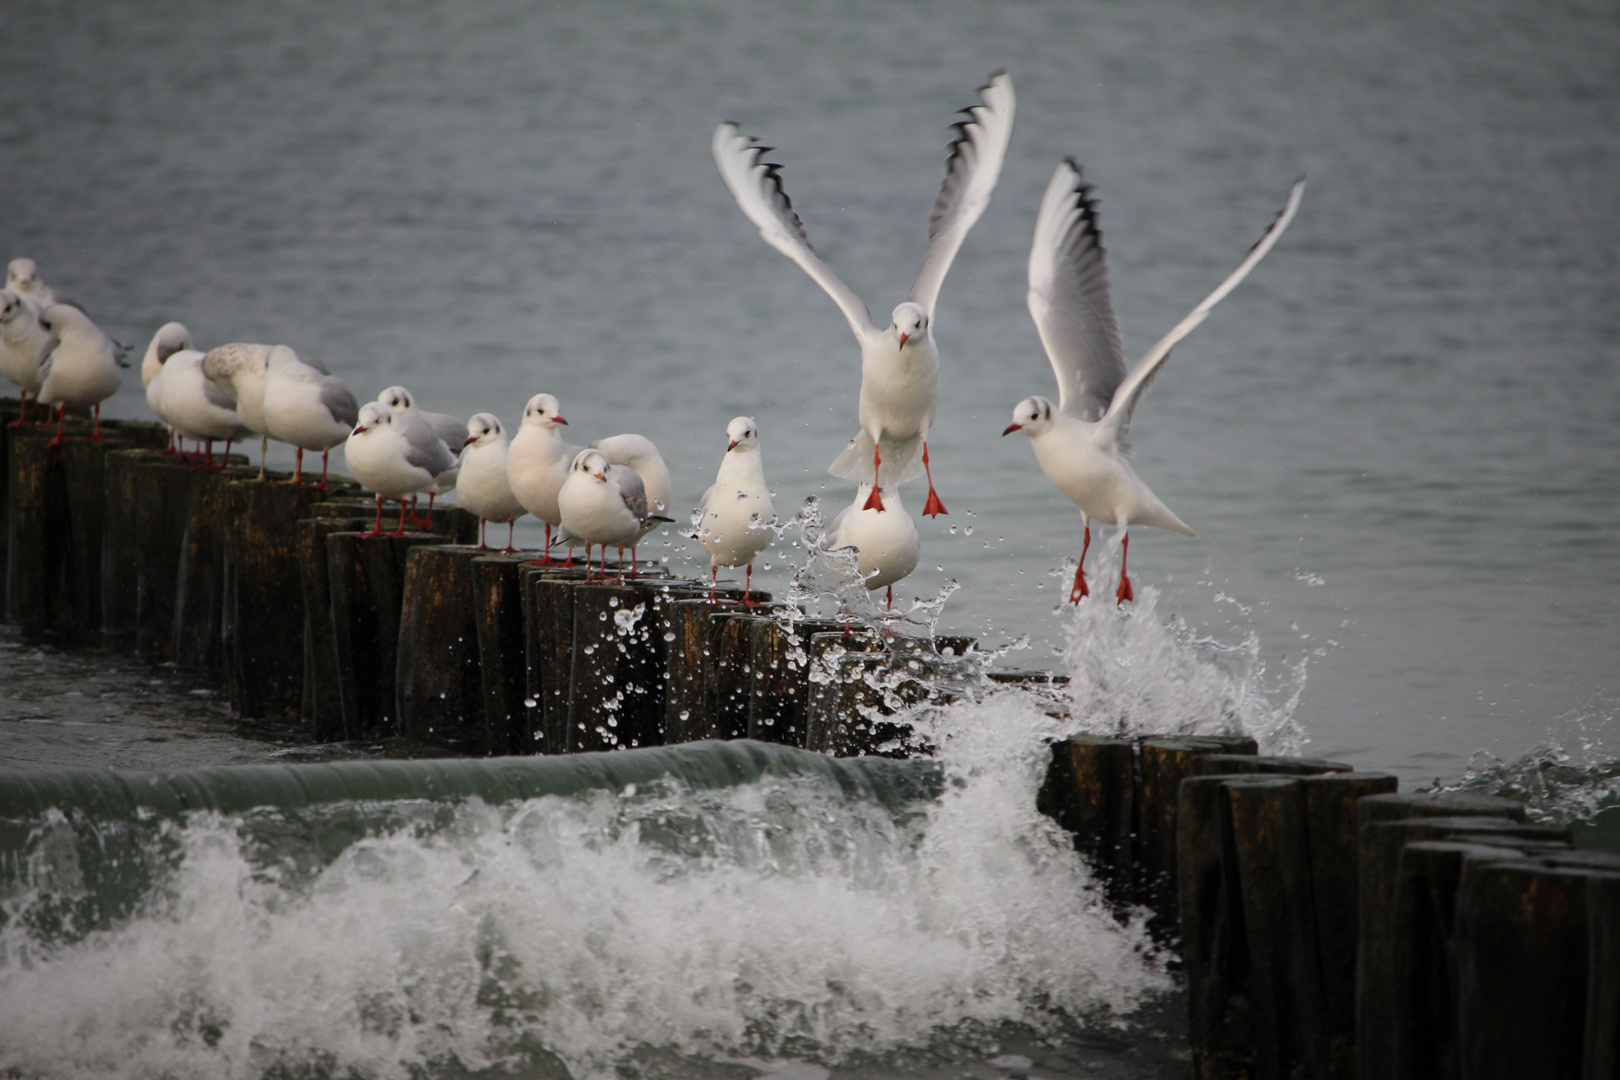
[[395, 455], [307, 406], [736, 514], [537, 462], [899, 363], [603, 503], [81, 368], [1083, 442], [24, 345]]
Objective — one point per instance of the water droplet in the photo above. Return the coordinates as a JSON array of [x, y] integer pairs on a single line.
[[669, 635], [531, 703]]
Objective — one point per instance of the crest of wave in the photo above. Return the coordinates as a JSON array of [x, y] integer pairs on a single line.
[[1134, 673], [1558, 784]]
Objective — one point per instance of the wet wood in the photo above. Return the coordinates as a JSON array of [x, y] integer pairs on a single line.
[[779, 692], [199, 598], [731, 637], [120, 584], [858, 683], [616, 678], [1091, 790], [683, 616], [323, 697], [1601, 1048], [498, 600], [440, 686], [548, 632]]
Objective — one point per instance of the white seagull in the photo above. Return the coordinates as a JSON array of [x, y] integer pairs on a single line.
[[602, 503], [445, 426], [307, 406], [885, 541], [22, 278], [899, 363], [23, 345], [1082, 443], [537, 462], [395, 455], [170, 338], [82, 367], [736, 514], [637, 452], [481, 482], [242, 369]]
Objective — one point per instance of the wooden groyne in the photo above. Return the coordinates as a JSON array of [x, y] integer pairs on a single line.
[[1325, 924]]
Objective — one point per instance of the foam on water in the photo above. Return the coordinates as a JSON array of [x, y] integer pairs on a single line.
[[772, 921]]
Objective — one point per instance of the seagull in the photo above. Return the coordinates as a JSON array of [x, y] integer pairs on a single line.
[[395, 455], [307, 406], [900, 363], [1082, 443], [82, 367], [196, 406], [23, 345], [735, 515], [603, 503], [885, 541], [22, 278], [170, 338], [537, 462], [638, 452], [445, 426], [482, 482], [241, 369]]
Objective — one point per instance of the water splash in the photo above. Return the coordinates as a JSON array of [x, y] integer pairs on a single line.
[[1558, 785]]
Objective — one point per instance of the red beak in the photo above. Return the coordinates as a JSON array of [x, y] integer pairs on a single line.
[[470, 440], [1012, 428], [732, 446], [558, 420], [358, 430], [903, 340]]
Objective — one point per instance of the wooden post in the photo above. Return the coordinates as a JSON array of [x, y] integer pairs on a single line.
[[780, 689], [262, 628], [323, 694], [731, 635], [162, 491], [1165, 760], [548, 632], [441, 690], [1522, 953], [1375, 903], [120, 584], [689, 661], [616, 680], [1331, 839], [1090, 790], [860, 682], [199, 602], [501, 654], [1602, 1045]]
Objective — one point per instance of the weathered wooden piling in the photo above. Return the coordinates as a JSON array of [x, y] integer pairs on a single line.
[[548, 652], [120, 584], [199, 603], [1602, 1043], [498, 601], [616, 677], [263, 620], [1091, 790], [685, 620], [858, 681], [779, 691], [322, 707], [440, 687]]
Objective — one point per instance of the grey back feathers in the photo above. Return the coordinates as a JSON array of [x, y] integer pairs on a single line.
[[339, 401]]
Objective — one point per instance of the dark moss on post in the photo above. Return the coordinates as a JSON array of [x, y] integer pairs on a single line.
[[616, 680], [1091, 791], [441, 690], [1164, 763], [501, 654], [779, 692]]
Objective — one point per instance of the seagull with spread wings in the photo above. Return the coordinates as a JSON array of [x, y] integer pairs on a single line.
[[899, 363], [1083, 443]]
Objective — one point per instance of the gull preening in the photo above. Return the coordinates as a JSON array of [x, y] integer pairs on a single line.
[[183, 397], [241, 369], [885, 541], [22, 278], [537, 462], [81, 368], [735, 516], [602, 503], [395, 455], [481, 480], [1082, 443], [899, 363]]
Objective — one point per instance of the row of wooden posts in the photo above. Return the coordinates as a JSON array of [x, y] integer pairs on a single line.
[[1329, 927], [1326, 926], [274, 590]]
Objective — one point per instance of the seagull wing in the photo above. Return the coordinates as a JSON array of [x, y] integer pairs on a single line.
[[1068, 297], [1123, 405], [631, 491], [424, 448], [971, 172], [757, 186], [339, 401]]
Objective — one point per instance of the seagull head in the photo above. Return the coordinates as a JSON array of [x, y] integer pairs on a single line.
[[398, 398], [373, 414], [592, 463], [910, 322], [543, 411], [11, 305], [170, 339], [484, 429], [742, 432], [22, 275], [1032, 416]]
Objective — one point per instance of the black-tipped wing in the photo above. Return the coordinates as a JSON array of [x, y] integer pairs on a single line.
[[1123, 407], [971, 172], [1068, 297], [757, 187]]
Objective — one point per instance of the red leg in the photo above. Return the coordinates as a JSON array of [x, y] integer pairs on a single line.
[[891, 597], [376, 528], [714, 574], [400, 530], [1080, 588], [748, 584], [481, 545], [325, 454], [1125, 591], [431, 496], [511, 528], [933, 507], [874, 501], [298, 469], [224, 462], [95, 430], [61, 413]]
